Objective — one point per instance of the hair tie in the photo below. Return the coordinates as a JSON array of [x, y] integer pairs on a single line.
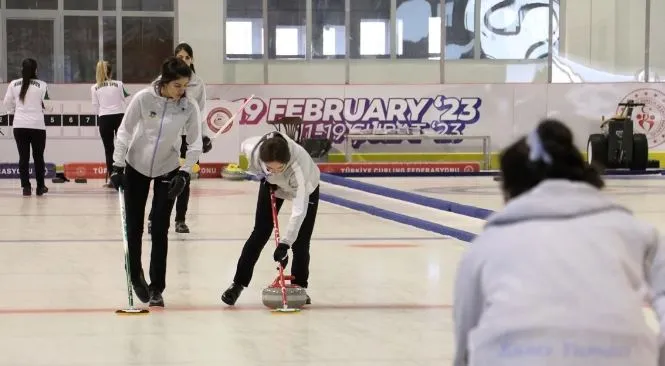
[[537, 151]]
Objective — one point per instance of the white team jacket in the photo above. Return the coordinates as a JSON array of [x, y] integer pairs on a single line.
[[149, 136], [558, 277], [298, 180], [196, 90], [109, 97], [30, 112]]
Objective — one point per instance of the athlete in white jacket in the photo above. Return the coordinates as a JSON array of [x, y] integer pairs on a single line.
[[147, 148], [108, 99], [285, 166], [25, 100], [558, 277], [196, 90]]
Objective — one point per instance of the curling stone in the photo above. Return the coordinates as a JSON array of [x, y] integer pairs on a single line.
[[296, 296], [60, 178], [81, 180], [233, 172]]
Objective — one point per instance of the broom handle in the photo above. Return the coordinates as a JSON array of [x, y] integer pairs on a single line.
[[273, 204]]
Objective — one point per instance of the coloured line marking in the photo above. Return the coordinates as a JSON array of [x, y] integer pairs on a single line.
[[224, 308], [384, 245]]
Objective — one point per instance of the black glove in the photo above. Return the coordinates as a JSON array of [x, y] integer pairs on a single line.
[[177, 184], [117, 177], [207, 144], [281, 254]]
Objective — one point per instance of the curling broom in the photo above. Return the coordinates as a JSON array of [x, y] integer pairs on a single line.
[[131, 310], [290, 293]]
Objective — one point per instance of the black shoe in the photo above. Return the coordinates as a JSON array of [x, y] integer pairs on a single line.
[[308, 301], [27, 191], [230, 296], [42, 190], [156, 298], [181, 227], [141, 289]]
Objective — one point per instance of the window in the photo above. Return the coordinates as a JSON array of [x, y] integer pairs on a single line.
[[418, 28], [459, 29], [328, 29], [517, 30], [31, 38], [146, 43], [108, 5], [370, 28], [33, 4], [286, 28], [80, 4], [244, 29], [109, 43], [148, 5], [81, 48]]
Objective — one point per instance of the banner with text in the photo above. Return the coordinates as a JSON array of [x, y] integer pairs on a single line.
[[502, 111]]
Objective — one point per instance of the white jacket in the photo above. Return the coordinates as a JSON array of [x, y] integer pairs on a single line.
[[109, 97], [149, 135], [298, 180], [30, 112], [559, 278]]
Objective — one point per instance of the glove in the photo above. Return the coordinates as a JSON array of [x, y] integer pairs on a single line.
[[177, 184], [281, 254], [207, 144], [117, 177]]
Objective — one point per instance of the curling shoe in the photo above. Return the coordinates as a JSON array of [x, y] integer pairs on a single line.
[[230, 296], [141, 289], [41, 190], [156, 298], [181, 227], [27, 191]]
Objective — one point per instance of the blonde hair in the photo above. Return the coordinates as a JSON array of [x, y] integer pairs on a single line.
[[103, 71]]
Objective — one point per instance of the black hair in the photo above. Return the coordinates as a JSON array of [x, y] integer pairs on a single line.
[[173, 68], [28, 72], [187, 48], [520, 173], [275, 148]]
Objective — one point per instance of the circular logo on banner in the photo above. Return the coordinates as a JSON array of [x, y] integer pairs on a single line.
[[469, 169], [650, 118], [216, 119], [80, 171]]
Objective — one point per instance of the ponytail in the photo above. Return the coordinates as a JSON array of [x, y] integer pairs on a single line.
[[28, 72], [103, 72]]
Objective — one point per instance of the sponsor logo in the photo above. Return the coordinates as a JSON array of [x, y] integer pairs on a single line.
[[10, 171], [648, 119], [400, 168]]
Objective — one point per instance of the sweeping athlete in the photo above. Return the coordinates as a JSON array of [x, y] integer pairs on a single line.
[[558, 277], [108, 99], [196, 89], [285, 166], [147, 149]]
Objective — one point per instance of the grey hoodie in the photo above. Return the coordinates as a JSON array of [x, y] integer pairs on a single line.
[[149, 135], [298, 180], [559, 277]]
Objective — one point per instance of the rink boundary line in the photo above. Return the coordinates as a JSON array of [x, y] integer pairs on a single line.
[[417, 199], [225, 308], [400, 218], [226, 239]]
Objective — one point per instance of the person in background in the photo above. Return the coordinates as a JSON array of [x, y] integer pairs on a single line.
[[25, 100], [286, 168], [560, 275], [197, 91], [108, 99], [147, 150]]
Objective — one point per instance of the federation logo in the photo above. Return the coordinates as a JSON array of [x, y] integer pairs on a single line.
[[649, 119], [216, 119]]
